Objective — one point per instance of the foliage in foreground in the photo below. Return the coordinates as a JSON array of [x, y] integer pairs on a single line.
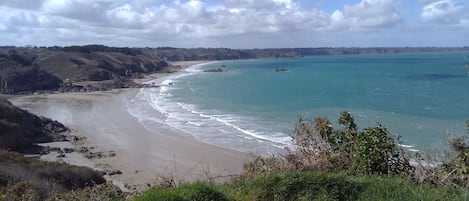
[[306, 186], [454, 171], [31, 179], [321, 147]]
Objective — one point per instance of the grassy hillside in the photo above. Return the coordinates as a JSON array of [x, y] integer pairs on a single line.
[[307, 186]]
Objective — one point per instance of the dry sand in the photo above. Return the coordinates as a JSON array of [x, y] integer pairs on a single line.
[[142, 155]]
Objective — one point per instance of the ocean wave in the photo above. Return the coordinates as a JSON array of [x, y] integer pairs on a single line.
[[214, 127]]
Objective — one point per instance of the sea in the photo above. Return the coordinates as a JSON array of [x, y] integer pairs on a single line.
[[422, 97]]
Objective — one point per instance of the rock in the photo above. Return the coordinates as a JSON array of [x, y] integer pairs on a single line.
[[75, 139], [91, 155], [215, 70], [68, 150], [53, 126], [279, 70], [62, 155], [113, 172], [56, 149], [83, 150], [111, 154]]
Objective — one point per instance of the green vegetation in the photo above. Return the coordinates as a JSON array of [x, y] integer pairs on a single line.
[[198, 191], [320, 147], [307, 186]]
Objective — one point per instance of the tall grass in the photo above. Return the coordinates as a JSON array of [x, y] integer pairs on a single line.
[[307, 186]]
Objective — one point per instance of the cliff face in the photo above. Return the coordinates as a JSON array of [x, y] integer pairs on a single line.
[[98, 66], [20, 129], [27, 79], [26, 70], [18, 73]]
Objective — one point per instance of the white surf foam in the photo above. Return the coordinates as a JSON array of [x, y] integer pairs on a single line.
[[214, 127]]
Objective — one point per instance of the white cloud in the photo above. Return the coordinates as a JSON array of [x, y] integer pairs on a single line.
[[367, 15], [444, 11], [21, 4], [193, 22]]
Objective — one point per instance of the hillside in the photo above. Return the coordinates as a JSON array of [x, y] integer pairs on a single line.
[[27, 70], [20, 129]]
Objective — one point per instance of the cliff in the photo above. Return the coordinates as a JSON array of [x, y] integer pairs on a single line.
[[20, 129], [28, 70]]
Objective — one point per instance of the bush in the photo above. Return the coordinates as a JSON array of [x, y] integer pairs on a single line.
[[376, 152], [454, 171], [321, 147], [189, 192]]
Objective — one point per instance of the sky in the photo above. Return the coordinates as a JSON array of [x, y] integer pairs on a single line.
[[235, 23]]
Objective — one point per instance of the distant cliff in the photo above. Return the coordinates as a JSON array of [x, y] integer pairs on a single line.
[[18, 73], [27, 70], [188, 54]]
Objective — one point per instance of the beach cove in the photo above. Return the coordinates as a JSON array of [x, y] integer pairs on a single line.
[[143, 155], [199, 122]]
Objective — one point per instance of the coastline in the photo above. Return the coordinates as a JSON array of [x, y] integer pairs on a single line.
[[143, 156]]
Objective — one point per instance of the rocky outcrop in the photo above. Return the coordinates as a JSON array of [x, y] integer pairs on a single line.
[[20, 129], [279, 70], [215, 70]]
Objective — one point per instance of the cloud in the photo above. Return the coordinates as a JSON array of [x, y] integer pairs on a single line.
[[367, 15], [21, 4], [444, 11], [197, 22]]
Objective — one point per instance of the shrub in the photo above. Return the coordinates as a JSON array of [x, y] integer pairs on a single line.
[[376, 152], [321, 147], [455, 170]]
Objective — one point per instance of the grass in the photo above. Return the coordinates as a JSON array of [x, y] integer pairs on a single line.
[[306, 186], [198, 191]]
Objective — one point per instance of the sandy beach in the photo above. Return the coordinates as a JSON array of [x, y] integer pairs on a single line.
[[141, 154]]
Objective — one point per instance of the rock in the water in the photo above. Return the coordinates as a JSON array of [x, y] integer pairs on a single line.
[[215, 70], [279, 70]]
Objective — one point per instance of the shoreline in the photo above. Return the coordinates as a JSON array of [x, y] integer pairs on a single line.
[[180, 66], [143, 156]]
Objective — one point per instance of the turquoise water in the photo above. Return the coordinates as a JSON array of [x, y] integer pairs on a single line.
[[421, 97]]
